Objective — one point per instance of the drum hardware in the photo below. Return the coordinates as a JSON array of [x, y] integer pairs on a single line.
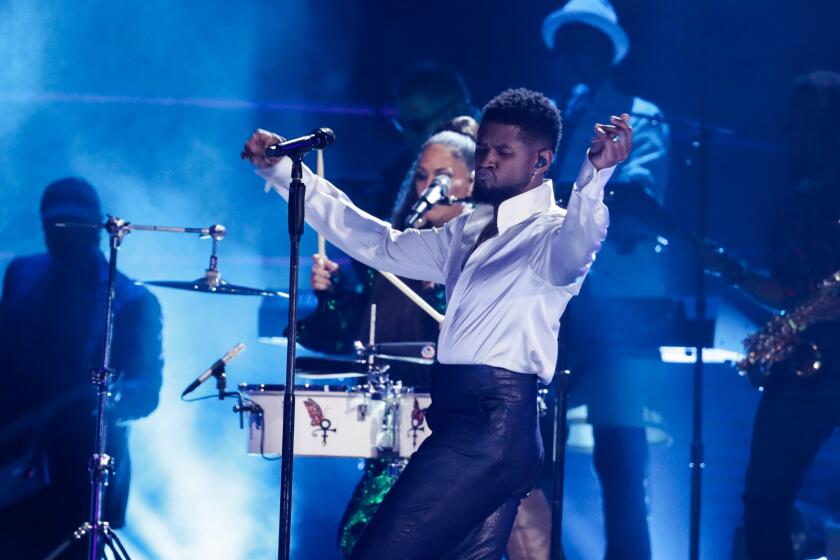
[[212, 282], [241, 407], [422, 353], [100, 463]]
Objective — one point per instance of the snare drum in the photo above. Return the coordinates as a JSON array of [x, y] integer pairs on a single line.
[[333, 421]]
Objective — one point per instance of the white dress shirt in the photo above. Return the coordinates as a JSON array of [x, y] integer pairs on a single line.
[[504, 304]]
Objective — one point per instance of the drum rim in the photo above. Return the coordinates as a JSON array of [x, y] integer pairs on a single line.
[[281, 388]]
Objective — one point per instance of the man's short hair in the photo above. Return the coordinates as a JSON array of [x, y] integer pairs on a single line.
[[530, 110]]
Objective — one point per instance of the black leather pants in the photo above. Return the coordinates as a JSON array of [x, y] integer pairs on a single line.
[[458, 496]]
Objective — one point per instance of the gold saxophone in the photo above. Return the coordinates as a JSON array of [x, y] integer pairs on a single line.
[[781, 337]]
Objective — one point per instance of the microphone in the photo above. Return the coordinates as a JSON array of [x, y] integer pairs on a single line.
[[215, 369], [318, 139], [434, 193]]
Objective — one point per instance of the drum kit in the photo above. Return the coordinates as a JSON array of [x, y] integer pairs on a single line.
[[375, 417]]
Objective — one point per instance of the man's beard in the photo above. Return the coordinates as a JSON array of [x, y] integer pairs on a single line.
[[495, 195]]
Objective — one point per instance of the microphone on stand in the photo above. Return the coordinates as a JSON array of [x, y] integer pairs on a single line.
[[318, 139], [217, 367], [434, 193]]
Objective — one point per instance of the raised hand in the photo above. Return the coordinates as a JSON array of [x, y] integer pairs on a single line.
[[612, 142], [322, 271], [254, 149]]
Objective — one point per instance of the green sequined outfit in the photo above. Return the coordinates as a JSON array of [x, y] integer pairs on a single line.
[[369, 493]]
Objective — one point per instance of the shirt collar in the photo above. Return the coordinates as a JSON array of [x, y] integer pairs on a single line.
[[517, 209]]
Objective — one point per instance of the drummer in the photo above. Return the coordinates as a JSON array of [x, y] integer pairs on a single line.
[[343, 313]]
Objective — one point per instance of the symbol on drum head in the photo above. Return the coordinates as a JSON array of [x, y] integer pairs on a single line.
[[316, 417], [418, 418]]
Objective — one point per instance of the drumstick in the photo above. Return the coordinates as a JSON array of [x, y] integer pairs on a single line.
[[413, 296], [372, 329], [319, 170]]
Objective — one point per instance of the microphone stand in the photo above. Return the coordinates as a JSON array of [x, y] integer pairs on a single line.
[[100, 464], [697, 464], [297, 193]]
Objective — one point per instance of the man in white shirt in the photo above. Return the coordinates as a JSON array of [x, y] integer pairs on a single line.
[[509, 267]]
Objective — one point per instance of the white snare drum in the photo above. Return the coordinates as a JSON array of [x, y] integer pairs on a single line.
[[334, 422]]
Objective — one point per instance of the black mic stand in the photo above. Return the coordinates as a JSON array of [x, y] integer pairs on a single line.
[[100, 464], [697, 464], [297, 194], [221, 383]]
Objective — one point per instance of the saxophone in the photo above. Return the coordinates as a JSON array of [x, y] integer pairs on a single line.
[[781, 337]]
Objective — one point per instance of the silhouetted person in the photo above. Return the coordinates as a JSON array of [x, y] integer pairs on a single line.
[[52, 323], [796, 414]]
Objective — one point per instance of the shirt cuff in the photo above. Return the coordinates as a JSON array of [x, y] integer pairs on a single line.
[[591, 182], [279, 177]]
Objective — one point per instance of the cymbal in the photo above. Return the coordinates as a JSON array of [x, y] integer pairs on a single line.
[[217, 287], [422, 353]]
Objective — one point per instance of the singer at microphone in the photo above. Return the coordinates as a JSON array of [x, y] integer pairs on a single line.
[[217, 368], [434, 193]]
